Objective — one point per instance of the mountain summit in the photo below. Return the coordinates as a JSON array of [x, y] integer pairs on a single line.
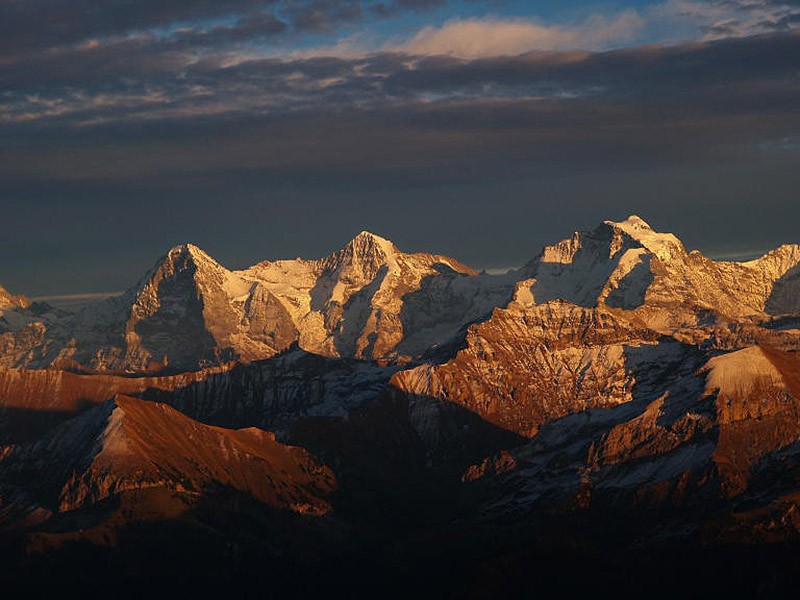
[[365, 249]]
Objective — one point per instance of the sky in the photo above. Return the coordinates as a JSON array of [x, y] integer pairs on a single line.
[[267, 129]]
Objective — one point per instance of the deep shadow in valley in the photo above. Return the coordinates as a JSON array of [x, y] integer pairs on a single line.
[[20, 425], [253, 555]]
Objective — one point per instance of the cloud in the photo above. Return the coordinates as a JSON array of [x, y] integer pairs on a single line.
[[719, 19], [143, 43], [475, 38], [34, 25], [203, 99], [37, 24], [670, 22]]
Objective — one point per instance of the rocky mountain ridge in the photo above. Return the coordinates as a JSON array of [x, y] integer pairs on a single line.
[[372, 301]]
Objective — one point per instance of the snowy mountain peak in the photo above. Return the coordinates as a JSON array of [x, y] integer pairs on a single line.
[[366, 254], [664, 245], [189, 251], [785, 255], [184, 260], [368, 235], [367, 243], [633, 221]]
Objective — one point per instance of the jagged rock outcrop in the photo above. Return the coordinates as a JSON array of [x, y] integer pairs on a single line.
[[24, 332], [757, 394], [9, 301], [528, 365], [695, 434]]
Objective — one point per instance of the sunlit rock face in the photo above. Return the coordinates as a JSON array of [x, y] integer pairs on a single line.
[[126, 444], [629, 266], [527, 365], [589, 315], [698, 430], [188, 312], [368, 300]]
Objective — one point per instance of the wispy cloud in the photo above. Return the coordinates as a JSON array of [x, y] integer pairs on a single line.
[[720, 19], [670, 22], [75, 302], [477, 38], [77, 297]]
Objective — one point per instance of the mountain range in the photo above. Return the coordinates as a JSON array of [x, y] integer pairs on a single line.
[[369, 300], [616, 401]]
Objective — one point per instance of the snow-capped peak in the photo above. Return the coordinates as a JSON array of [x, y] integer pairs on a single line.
[[366, 252], [365, 234], [198, 255], [183, 259], [634, 222], [365, 243], [371, 300], [664, 245]]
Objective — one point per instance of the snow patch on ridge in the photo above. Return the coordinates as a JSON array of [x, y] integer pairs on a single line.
[[236, 288], [736, 374], [664, 245]]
